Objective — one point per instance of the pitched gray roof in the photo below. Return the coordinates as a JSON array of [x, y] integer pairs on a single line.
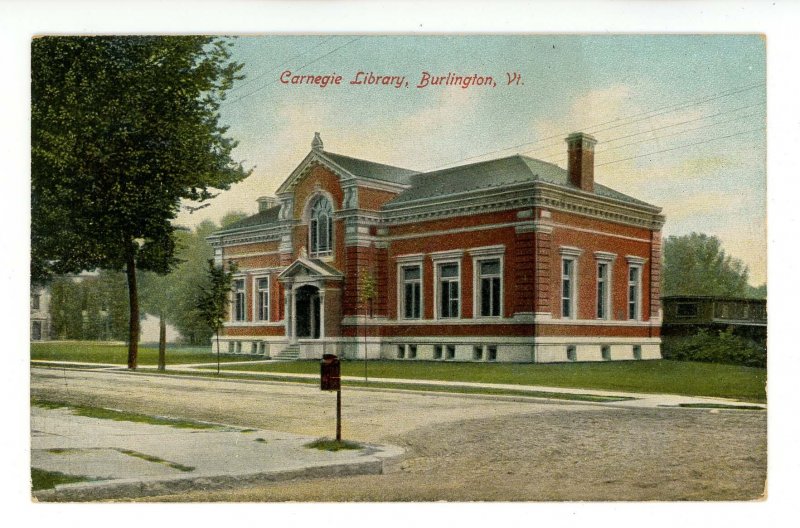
[[430, 185], [261, 218], [370, 169], [492, 174]]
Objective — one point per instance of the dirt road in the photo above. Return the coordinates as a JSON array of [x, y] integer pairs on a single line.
[[462, 448]]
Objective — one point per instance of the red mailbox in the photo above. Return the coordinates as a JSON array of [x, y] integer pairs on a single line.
[[330, 378]]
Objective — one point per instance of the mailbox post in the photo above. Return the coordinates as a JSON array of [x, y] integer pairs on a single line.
[[331, 380]]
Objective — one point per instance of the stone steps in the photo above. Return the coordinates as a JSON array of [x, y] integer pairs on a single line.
[[289, 353]]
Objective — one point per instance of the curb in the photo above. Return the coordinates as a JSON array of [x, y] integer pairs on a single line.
[[134, 488]]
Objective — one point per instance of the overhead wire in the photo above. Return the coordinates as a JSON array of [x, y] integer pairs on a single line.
[[681, 146], [281, 65], [560, 155], [301, 68], [627, 120]]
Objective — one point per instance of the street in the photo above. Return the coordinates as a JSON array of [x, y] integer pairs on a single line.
[[458, 447]]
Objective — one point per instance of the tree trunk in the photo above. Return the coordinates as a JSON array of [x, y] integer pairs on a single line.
[[133, 301], [162, 342]]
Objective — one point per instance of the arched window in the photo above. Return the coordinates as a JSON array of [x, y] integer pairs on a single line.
[[320, 228]]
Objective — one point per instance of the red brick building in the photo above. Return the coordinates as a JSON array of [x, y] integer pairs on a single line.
[[512, 259]]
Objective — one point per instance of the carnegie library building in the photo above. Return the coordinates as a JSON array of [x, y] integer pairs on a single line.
[[508, 260]]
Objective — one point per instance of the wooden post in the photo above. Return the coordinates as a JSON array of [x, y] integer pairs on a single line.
[[339, 415]]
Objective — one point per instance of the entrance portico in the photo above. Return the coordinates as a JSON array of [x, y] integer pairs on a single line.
[[306, 283]]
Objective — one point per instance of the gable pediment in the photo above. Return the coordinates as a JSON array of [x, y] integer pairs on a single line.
[[313, 159], [309, 269]]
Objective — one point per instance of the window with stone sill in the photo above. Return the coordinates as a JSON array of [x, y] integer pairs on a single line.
[[238, 301], [490, 287], [449, 290], [262, 299]]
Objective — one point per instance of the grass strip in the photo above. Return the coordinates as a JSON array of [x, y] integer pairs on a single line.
[[653, 377], [42, 480], [94, 352], [326, 444], [156, 460], [456, 389], [82, 366], [124, 416], [720, 406]]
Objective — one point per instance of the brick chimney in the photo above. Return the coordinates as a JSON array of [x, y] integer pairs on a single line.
[[267, 202], [580, 148]]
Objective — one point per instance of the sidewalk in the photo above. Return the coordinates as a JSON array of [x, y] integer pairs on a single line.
[[129, 459], [636, 399]]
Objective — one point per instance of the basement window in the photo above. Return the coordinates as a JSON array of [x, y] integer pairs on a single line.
[[491, 351], [437, 352], [451, 351], [637, 352], [572, 354], [477, 352], [605, 351], [401, 351], [412, 351]]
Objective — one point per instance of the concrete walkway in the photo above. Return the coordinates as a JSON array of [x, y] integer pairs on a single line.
[[130, 459], [634, 399]]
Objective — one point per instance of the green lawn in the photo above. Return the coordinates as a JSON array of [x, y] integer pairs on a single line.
[[42, 480], [663, 376], [90, 352]]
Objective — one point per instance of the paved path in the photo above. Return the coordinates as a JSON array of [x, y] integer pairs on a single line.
[[125, 459], [457, 446]]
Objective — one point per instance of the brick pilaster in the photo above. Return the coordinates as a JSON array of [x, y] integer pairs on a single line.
[[655, 274], [543, 273], [524, 279]]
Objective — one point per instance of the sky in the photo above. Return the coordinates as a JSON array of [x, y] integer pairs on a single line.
[[680, 120]]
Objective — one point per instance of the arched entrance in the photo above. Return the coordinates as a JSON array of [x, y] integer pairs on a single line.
[[307, 315]]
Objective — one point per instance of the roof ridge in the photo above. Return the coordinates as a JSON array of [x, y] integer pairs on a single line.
[[327, 152], [454, 167]]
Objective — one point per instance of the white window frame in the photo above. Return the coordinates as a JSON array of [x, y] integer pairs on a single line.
[[571, 254], [636, 263], [444, 258], [312, 204], [257, 298], [607, 259], [410, 261], [234, 301], [483, 254]]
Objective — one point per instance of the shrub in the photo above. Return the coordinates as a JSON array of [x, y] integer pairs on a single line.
[[716, 347]]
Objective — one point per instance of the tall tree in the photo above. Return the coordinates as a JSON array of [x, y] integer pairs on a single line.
[[123, 129], [696, 264]]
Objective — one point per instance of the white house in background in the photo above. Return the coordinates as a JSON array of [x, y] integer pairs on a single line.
[[40, 314], [149, 326]]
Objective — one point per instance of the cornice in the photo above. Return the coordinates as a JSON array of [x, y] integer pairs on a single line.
[[531, 194], [527, 194], [249, 236]]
